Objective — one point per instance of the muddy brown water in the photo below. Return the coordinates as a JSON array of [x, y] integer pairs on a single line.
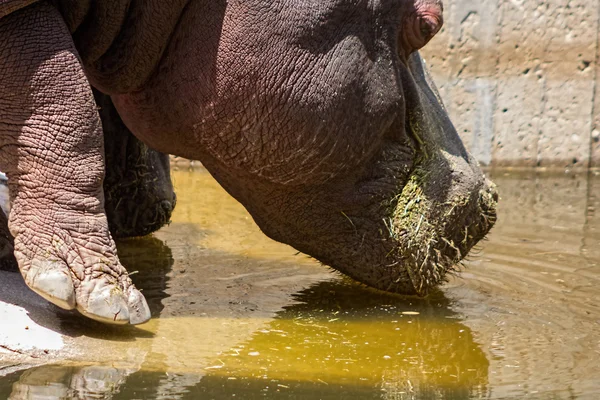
[[239, 316]]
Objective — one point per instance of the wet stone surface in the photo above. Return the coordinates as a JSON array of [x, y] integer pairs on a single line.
[[236, 315]]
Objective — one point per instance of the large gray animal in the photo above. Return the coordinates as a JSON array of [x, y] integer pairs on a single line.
[[317, 115]]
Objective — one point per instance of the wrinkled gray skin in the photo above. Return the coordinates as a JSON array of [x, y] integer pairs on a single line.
[[317, 115]]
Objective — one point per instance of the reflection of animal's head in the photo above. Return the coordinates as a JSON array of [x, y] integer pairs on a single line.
[[359, 342]]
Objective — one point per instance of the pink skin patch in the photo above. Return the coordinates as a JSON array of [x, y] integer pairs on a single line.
[[421, 25]]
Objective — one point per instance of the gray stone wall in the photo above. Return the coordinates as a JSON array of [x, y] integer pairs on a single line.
[[520, 79]]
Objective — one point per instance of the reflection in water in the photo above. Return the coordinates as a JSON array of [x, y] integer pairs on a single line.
[[338, 341], [522, 321], [61, 382], [343, 340]]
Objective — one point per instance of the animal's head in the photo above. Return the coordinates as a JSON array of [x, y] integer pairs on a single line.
[[323, 121]]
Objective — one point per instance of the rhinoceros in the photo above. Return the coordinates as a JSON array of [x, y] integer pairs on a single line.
[[319, 116]]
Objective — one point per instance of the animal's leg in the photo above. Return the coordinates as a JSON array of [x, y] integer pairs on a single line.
[[137, 187], [51, 148]]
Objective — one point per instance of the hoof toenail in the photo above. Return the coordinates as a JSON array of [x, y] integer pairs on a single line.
[[106, 304], [139, 312], [47, 279]]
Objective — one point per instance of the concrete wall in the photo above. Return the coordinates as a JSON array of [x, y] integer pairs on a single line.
[[520, 79]]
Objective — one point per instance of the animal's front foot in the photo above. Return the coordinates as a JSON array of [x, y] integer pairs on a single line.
[[79, 271]]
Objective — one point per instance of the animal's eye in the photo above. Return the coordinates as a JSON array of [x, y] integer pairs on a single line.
[[429, 24], [425, 28]]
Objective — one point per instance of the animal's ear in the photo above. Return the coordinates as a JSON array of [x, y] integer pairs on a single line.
[[421, 73], [428, 110]]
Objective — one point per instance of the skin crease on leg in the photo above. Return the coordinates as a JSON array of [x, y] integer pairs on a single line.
[[318, 116], [62, 243]]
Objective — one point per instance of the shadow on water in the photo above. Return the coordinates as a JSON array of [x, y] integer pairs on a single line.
[[149, 261], [337, 341]]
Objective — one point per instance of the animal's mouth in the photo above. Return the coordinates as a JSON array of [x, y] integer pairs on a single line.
[[434, 236], [444, 207], [426, 227]]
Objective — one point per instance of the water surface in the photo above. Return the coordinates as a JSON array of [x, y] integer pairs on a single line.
[[239, 316]]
